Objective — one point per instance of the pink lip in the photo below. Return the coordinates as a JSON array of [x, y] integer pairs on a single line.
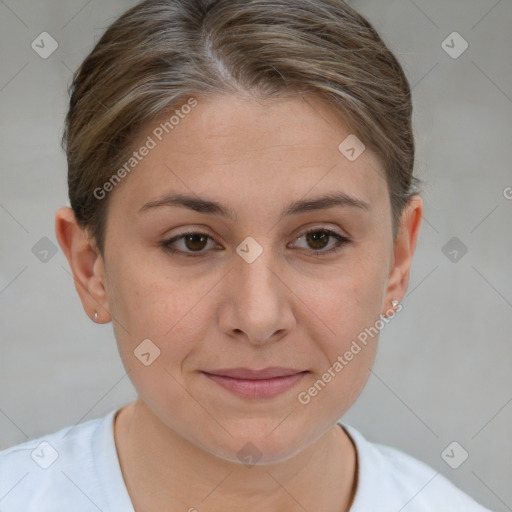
[[247, 373], [255, 384]]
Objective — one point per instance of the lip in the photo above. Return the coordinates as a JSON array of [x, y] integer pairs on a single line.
[[249, 374], [256, 384]]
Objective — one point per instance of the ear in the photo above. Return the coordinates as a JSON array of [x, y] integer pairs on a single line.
[[404, 247], [85, 262]]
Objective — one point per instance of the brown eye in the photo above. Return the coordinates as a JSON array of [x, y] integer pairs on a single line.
[[318, 239], [195, 241], [192, 242]]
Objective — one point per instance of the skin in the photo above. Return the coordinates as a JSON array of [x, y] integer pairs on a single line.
[[287, 308]]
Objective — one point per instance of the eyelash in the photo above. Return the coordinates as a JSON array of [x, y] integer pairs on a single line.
[[341, 242]]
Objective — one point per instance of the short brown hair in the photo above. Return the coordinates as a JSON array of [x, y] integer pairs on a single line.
[[160, 52]]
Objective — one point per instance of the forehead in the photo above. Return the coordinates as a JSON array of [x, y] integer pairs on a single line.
[[249, 151]]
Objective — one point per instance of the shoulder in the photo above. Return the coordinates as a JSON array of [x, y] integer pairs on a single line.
[[55, 466], [390, 480]]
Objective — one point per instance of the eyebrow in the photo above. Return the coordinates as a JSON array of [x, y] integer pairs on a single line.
[[200, 205]]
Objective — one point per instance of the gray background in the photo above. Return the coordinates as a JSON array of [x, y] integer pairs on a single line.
[[443, 369]]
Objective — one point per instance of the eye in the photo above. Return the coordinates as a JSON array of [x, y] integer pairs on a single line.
[[194, 243], [192, 240], [318, 238]]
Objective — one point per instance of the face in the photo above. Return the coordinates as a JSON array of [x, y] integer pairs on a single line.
[[258, 287]]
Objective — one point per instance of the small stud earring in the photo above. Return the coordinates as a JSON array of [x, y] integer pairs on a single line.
[[95, 316], [395, 303]]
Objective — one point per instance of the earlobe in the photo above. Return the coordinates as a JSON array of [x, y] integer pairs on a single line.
[[403, 251], [85, 262]]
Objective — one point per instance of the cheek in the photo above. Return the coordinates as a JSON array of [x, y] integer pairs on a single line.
[[350, 300], [153, 335], [345, 328], [167, 309]]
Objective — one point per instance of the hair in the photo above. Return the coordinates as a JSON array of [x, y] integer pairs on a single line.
[[160, 52]]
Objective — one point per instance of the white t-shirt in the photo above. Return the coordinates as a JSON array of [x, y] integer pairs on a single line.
[[77, 469]]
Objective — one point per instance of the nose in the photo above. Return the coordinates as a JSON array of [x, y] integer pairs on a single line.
[[258, 306]]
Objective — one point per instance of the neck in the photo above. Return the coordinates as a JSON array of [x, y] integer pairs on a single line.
[[162, 471]]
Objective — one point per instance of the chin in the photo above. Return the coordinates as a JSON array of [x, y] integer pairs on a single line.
[[259, 442], [251, 454]]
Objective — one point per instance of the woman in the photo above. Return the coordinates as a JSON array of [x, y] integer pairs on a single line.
[[244, 211]]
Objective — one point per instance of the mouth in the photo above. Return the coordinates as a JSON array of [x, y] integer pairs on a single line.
[[256, 384]]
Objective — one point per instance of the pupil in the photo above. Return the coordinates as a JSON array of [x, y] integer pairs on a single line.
[[314, 236], [193, 239]]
